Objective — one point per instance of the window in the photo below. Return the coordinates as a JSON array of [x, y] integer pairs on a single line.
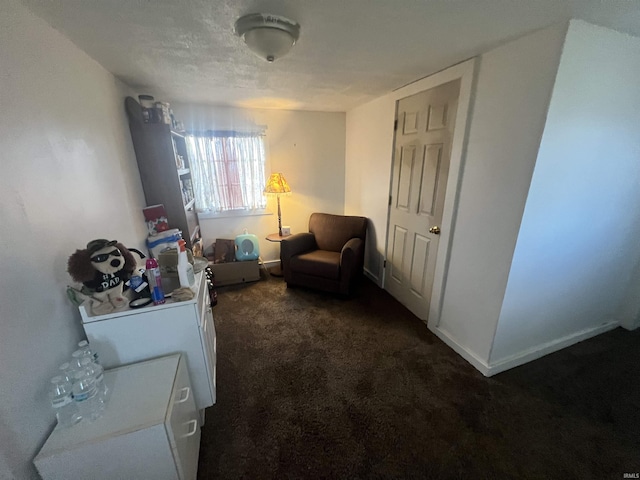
[[227, 171]]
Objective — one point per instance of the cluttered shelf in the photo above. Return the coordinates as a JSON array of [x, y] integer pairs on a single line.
[[88, 316], [197, 244], [164, 163]]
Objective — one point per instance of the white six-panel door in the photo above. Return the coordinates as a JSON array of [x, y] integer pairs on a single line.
[[422, 149]]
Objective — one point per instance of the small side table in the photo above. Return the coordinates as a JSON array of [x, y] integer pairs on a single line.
[[274, 237]]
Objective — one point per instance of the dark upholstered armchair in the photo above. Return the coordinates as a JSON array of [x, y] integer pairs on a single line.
[[330, 257]]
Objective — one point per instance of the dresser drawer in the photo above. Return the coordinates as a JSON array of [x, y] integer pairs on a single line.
[[183, 426], [208, 339]]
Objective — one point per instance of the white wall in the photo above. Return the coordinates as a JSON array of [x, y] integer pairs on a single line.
[[512, 94], [307, 147], [68, 176], [578, 247], [369, 150]]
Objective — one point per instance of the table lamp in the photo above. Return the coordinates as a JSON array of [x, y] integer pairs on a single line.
[[277, 185]]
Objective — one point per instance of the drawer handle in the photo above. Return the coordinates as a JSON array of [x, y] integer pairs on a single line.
[[184, 394], [192, 429]]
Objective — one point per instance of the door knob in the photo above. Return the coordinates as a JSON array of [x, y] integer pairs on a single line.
[[435, 230]]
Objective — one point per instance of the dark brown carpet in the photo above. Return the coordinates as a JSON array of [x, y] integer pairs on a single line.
[[314, 386]]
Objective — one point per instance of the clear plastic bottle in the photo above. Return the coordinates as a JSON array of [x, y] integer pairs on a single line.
[[67, 372], [76, 359], [155, 281], [85, 394], [88, 351], [62, 402], [97, 372]]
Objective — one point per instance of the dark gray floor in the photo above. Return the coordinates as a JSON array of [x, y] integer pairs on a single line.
[[313, 386]]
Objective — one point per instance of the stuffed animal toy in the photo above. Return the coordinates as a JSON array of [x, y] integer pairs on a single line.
[[103, 268]]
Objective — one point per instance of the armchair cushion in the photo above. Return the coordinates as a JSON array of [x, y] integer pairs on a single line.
[[318, 262]]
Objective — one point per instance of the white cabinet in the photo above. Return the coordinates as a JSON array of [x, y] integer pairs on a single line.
[[133, 335], [149, 430]]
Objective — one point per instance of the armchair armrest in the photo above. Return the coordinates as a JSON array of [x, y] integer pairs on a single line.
[[296, 244], [351, 259]]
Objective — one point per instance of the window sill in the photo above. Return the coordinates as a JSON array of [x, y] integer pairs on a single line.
[[233, 214]]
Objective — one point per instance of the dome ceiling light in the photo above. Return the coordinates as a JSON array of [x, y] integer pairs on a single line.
[[268, 36]]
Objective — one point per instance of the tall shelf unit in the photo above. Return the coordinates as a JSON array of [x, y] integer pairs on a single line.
[[164, 166]]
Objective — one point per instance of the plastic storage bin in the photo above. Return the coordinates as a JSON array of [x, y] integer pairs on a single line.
[[163, 241]]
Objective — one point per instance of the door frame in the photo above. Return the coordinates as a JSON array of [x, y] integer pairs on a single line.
[[465, 71]]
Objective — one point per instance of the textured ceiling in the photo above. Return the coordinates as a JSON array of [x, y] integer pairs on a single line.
[[349, 52]]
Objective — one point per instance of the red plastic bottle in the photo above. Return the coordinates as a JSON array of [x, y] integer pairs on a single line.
[[155, 281]]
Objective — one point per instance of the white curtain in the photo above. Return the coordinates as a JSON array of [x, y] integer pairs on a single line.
[[227, 171]]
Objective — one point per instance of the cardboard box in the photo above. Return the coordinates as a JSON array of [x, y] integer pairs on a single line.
[[231, 273]]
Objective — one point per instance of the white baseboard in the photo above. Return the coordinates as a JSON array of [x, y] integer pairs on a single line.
[[374, 278], [630, 324], [526, 356], [468, 355], [270, 263], [549, 347]]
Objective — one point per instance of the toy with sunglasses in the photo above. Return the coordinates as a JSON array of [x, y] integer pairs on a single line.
[[103, 268]]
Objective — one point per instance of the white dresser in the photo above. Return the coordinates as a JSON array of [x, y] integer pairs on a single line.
[[149, 430], [133, 335]]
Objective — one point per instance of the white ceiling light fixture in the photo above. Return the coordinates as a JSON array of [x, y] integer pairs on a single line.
[[268, 36]]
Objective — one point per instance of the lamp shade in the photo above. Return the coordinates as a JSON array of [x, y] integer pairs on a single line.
[[277, 184], [268, 36], [268, 43]]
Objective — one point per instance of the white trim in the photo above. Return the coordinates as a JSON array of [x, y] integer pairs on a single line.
[[525, 356], [233, 214], [466, 72]]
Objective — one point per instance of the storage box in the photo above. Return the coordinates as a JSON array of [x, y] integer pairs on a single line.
[[156, 218], [231, 273]]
